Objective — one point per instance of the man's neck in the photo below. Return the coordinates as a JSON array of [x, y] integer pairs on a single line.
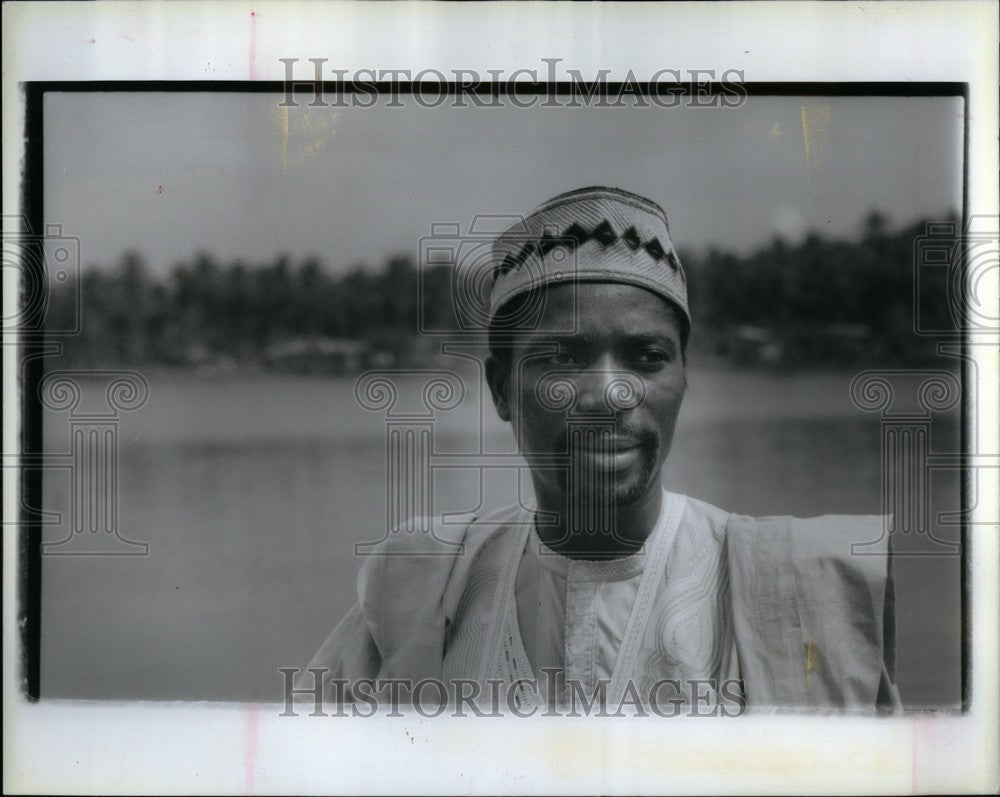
[[608, 532]]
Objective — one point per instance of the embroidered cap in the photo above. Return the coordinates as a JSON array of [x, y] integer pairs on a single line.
[[592, 234]]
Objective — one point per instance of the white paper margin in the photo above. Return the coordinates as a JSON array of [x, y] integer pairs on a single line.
[[112, 748]]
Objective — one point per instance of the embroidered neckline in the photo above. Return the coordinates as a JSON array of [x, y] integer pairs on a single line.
[[503, 653], [584, 569]]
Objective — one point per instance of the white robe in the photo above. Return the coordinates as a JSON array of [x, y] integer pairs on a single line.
[[779, 603]]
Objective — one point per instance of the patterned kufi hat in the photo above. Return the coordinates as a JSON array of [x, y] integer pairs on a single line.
[[589, 235]]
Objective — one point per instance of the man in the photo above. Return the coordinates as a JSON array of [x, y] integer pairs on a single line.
[[612, 588]]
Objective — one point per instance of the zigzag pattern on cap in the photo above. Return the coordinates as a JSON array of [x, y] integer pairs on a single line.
[[575, 235]]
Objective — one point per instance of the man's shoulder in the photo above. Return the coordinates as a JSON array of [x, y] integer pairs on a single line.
[[824, 537], [700, 519], [821, 536], [431, 558], [703, 511], [828, 543], [444, 538]]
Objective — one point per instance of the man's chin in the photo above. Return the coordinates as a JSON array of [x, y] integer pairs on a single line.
[[620, 492], [627, 495], [602, 486]]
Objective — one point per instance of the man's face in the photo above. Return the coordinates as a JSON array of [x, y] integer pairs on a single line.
[[606, 400]]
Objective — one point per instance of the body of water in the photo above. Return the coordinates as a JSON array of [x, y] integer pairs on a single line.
[[251, 492]]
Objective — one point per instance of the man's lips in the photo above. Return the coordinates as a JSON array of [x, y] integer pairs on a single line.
[[599, 442], [606, 450], [608, 459]]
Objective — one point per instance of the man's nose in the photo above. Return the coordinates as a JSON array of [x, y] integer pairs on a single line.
[[607, 389]]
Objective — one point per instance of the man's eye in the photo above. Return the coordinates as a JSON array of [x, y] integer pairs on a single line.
[[652, 356], [562, 358]]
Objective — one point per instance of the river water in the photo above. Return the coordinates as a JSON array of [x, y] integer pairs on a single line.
[[252, 490]]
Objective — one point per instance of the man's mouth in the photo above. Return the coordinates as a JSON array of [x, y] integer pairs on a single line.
[[605, 452]]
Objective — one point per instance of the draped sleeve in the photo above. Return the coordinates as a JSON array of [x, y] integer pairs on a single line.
[[349, 653], [813, 608], [406, 597]]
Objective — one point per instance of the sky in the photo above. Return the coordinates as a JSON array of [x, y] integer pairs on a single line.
[[170, 175]]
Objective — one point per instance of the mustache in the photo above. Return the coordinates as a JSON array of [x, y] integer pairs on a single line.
[[581, 437]]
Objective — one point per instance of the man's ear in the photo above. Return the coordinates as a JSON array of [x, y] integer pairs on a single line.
[[498, 378]]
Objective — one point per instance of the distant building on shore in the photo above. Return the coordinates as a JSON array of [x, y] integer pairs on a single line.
[[806, 344], [755, 345], [321, 355]]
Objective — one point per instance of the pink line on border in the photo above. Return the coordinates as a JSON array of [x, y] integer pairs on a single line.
[[253, 45]]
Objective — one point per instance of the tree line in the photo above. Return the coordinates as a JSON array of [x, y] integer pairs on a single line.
[[817, 301]]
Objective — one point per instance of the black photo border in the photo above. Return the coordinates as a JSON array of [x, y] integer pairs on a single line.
[[33, 345]]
